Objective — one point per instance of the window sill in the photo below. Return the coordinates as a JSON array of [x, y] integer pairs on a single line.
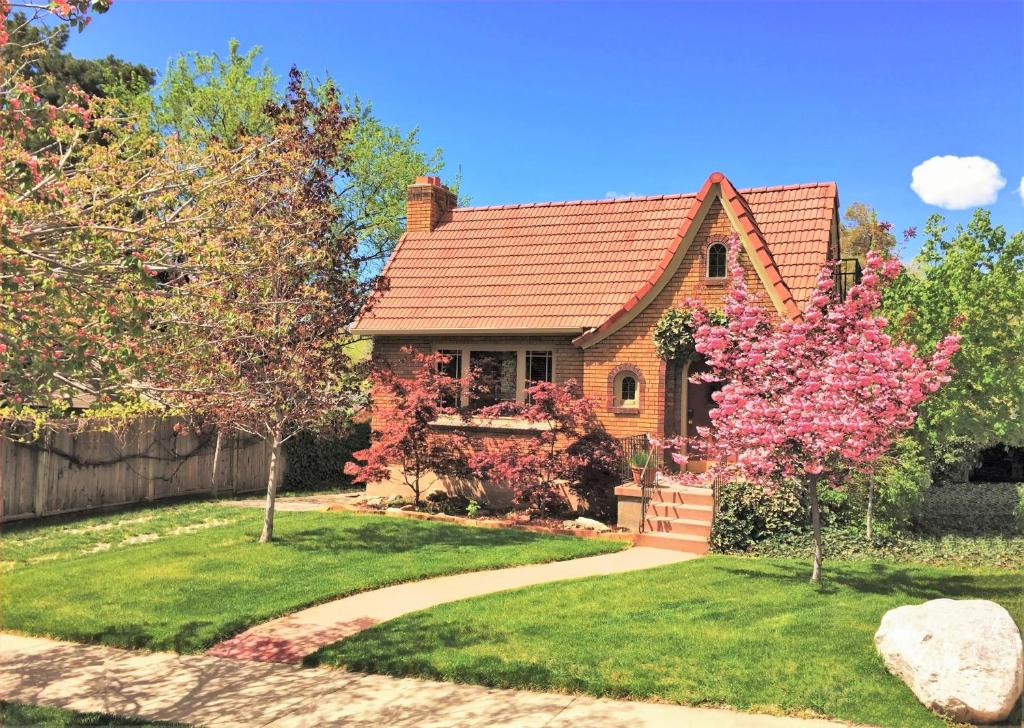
[[634, 410], [717, 282], [505, 424]]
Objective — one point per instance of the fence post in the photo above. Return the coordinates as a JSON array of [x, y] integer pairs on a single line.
[[42, 475], [151, 461]]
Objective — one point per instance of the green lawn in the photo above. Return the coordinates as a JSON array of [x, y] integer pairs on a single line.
[[748, 633], [185, 577], [14, 715]]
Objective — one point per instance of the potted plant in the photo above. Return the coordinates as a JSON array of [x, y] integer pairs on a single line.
[[638, 463]]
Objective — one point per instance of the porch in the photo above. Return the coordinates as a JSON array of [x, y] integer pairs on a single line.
[[666, 513]]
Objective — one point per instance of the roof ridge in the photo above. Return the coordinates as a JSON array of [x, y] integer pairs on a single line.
[[640, 198]]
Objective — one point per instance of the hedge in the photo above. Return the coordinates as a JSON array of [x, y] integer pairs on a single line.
[[317, 462], [972, 508]]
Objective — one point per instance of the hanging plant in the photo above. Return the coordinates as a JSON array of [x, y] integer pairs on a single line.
[[673, 334]]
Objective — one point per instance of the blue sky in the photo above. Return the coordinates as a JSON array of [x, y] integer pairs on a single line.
[[551, 101]]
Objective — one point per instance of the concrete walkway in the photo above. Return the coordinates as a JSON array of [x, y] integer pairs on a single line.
[[212, 691], [296, 635]]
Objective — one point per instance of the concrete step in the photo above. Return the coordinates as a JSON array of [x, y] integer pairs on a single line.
[[674, 541], [678, 510], [689, 526], [687, 495]]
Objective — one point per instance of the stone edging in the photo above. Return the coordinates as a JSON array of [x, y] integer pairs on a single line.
[[623, 536]]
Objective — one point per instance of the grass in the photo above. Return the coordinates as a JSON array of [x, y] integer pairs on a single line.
[[741, 632], [185, 577], [15, 715]]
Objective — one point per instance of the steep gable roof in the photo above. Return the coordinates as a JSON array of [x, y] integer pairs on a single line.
[[569, 267]]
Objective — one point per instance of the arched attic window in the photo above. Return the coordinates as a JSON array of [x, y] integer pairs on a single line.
[[717, 261]]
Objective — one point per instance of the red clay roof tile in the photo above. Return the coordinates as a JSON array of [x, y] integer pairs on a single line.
[[508, 267]]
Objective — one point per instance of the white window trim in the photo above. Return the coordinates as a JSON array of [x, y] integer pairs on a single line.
[[520, 350]]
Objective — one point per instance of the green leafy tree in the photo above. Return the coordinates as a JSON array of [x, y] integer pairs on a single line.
[[206, 96], [53, 72], [863, 232], [977, 275]]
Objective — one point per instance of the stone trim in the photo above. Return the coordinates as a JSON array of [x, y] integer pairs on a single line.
[[641, 386]]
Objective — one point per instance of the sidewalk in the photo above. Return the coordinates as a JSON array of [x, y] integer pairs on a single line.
[[290, 638], [212, 691]]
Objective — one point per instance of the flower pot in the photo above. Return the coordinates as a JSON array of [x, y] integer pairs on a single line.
[[638, 474]]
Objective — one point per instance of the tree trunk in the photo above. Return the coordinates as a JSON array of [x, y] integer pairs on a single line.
[[216, 462], [812, 491], [871, 509], [275, 459]]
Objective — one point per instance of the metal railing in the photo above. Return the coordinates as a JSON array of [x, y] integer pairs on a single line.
[[846, 275], [649, 477]]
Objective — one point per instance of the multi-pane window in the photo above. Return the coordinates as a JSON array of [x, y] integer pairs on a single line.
[[627, 391], [716, 261], [496, 376], [451, 368], [539, 368]]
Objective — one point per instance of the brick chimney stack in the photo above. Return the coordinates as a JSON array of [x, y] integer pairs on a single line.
[[428, 203]]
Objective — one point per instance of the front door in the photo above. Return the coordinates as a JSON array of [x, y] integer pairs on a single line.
[[698, 405]]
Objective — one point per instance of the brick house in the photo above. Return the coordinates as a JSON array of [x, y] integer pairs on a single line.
[[572, 290]]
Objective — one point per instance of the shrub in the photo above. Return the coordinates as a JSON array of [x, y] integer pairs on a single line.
[[747, 513], [972, 508], [594, 481], [902, 475], [538, 467], [317, 462], [953, 460], [452, 505]]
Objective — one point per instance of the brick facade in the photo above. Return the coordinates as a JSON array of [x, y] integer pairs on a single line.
[[633, 344]]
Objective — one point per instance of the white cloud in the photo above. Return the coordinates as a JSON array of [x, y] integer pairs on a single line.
[[1021, 189], [957, 183]]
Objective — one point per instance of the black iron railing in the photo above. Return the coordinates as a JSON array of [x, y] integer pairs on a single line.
[[639, 443], [649, 476], [846, 275]]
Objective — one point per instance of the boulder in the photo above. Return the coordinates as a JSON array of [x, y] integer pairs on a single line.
[[961, 658], [590, 524]]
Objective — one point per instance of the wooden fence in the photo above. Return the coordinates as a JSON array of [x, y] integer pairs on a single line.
[[67, 472]]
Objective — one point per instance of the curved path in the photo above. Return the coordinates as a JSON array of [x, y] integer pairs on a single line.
[[213, 691], [292, 637]]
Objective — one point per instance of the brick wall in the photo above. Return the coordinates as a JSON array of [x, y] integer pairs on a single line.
[[634, 343]]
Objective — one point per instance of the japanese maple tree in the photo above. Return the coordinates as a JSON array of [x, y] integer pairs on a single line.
[[809, 401], [540, 465], [403, 438]]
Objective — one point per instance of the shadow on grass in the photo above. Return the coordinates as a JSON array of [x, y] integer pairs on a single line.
[[914, 582], [392, 536]]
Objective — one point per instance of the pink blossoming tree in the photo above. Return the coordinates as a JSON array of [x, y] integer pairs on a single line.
[[810, 401]]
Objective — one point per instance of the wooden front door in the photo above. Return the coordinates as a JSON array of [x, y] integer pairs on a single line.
[[698, 405]]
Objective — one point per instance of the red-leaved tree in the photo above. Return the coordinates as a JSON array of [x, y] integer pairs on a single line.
[[812, 400], [403, 437], [541, 465]]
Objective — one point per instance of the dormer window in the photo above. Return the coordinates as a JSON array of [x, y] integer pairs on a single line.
[[717, 255]]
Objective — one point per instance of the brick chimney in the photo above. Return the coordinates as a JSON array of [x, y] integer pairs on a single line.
[[428, 203]]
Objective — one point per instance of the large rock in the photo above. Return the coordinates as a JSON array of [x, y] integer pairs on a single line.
[[590, 524], [962, 658]]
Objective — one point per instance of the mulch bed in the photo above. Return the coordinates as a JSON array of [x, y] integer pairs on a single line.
[[490, 522]]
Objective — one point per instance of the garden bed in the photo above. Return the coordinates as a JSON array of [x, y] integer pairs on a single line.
[[552, 526]]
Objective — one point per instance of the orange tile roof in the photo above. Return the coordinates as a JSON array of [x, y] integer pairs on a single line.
[[573, 266]]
